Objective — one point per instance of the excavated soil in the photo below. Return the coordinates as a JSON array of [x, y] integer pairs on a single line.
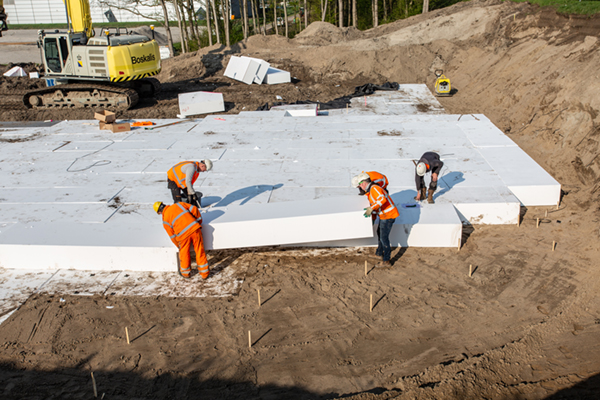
[[524, 326]]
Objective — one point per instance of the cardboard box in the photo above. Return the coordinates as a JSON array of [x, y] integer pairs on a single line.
[[121, 127], [105, 116]]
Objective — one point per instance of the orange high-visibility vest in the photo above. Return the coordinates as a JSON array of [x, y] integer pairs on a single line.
[[176, 175], [180, 220], [381, 202], [378, 179]]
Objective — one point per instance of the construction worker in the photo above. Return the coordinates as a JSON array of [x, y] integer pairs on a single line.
[[381, 205], [3, 26], [429, 162], [183, 224], [181, 179], [377, 178]]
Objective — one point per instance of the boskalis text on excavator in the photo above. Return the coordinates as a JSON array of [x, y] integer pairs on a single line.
[[111, 71]]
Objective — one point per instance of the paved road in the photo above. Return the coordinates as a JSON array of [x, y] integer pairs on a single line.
[[19, 46]]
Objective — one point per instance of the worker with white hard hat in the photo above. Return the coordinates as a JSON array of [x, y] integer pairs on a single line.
[[382, 206], [183, 223], [429, 162], [181, 179]]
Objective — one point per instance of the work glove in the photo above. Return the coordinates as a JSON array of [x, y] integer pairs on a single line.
[[368, 212], [433, 186]]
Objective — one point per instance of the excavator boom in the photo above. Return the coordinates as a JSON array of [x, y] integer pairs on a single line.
[[79, 16]]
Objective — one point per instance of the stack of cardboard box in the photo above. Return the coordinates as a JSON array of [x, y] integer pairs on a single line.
[[107, 122]]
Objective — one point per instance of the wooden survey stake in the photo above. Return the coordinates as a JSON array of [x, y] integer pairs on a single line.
[[94, 385], [127, 335], [249, 340], [470, 270], [371, 305], [258, 290], [365, 268]]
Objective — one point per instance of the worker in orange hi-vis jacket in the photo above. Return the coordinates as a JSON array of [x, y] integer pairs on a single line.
[[181, 178], [183, 224], [377, 178], [382, 205]]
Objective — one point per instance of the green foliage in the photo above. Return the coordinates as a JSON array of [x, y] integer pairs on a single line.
[[568, 6]]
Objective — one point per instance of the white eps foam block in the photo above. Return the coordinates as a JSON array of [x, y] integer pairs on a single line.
[[286, 223], [200, 103], [58, 245], [15, 71], [242, 69], [276, 75], [262, 69], [529, 182], [426, 225]]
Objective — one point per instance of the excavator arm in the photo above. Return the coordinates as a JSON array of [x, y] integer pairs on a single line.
[[3, 26], [80, 17]]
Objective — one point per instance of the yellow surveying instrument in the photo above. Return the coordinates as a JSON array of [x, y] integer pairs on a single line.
[[442, 84]]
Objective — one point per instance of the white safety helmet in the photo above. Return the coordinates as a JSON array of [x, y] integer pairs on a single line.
[[208, 164], [421, 168], [359, 178]]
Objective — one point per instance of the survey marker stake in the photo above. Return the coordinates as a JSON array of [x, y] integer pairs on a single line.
[[258, 290], [553, 245], [127, 335], [371, 304], [94, 385], [249, 340], [537, 224], [365, 268], [149, 128], [470, 270]]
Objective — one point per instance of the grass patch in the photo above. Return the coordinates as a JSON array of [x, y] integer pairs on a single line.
[[568, 6]]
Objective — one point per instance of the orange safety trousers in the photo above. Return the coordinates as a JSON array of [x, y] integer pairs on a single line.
[[195, 239]]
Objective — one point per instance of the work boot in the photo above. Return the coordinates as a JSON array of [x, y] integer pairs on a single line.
[[384, 264], [430, 197], [423, 195]]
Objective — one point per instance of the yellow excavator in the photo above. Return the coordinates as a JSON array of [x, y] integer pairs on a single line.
[[3, 26], [82, 71]]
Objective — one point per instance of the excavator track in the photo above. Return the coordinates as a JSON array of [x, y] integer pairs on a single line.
[[81, 95]]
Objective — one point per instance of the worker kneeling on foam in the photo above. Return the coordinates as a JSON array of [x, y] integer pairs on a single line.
[[181, 179], [429, 162], [381, 205], [183, 224]]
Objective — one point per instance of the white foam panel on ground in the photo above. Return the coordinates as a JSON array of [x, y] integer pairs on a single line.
[[195, 103], [242, 69], [143, 247], [286, 223], [429, 225], [299, 158]]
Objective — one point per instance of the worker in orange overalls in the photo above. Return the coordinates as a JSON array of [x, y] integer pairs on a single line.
[[181, 179], [183, 224], [375, 177], [381, 205]]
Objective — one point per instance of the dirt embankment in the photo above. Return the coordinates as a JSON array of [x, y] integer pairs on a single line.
[[525, 326]]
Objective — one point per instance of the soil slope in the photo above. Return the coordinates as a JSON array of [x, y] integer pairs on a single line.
[[525, 326]]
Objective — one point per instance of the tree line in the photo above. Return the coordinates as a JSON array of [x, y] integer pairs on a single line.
[[207, 22]]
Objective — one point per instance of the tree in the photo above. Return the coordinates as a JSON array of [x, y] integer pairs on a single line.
[[208, 27], [285, 18], [245, 12], [132, 7], [354, 24], [341, 11], [212, 5]]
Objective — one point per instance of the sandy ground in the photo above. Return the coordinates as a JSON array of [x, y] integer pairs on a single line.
[[525, 326]]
